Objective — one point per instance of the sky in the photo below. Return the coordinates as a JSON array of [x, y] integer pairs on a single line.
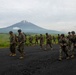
[[50, 14]]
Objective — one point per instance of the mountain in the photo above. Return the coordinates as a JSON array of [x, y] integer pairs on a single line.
[[27, 27]]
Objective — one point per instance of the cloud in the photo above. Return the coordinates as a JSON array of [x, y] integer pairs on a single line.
[[16, 28]]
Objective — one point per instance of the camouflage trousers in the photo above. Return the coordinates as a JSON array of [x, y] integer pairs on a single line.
[[73, 47], [41, 43], [13, 48], [61, 50], [21, 48]]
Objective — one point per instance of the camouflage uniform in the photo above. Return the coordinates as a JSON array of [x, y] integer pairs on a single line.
[[31, 40], [69, 38], [73, 40], [12, 44], [54, 39], [48, 41], [63, 47], [21, 42], [25, 38], [36, 39], [58, 38], [41, 41]]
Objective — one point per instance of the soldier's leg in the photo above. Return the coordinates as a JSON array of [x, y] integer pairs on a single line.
[[18, 48], [37, 42], [30, 43], [40, 46], [60, 54], [66, 52], [50, 44], [21, 50], [72, 55], [46, 45], [14, 49], [69, 50], [11, 50]]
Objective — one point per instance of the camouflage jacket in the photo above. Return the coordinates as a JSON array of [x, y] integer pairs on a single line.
[[12, 39], [63, 42], [21, 38]]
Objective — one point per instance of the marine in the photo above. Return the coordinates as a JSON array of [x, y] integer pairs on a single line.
[[12, 44], [41, 41], [30, 40], [73, 40], [36, 39], [21, 43], [63, 47], [48, 41]]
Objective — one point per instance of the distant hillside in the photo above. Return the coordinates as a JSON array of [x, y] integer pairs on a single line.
[[27, 27]]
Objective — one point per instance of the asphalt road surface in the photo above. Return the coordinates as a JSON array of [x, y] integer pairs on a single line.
[[36, 62]]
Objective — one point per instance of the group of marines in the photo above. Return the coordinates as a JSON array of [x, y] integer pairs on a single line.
[[67, 44], [17, 42]]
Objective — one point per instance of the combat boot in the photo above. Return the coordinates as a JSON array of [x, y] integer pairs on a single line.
[[10, 54], [72, 56], [60, 59], [13, 55], [67, 58], [21, 57]]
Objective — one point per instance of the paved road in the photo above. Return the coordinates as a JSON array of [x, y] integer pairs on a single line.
[[36, 62]]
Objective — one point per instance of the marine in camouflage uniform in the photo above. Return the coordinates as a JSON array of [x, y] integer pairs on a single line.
[[31, 40], [36, 39], [12, 44], [48, 41], [63, 47], [58, 37], [69, 38], [41, 41], [21, 43], [54, 39], [25, 38], [73, 40]]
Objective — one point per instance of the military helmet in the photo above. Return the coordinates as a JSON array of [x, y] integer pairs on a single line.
[[62, 35], [10, 32], [68, 32], [19, 30], [73, 32], [46, 33]]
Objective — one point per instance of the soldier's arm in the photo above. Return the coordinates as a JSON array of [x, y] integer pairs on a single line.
[[66, 42], [60, 43], [13, 39], [23, 38]]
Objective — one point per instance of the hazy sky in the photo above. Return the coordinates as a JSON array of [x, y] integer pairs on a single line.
[[51, 14]]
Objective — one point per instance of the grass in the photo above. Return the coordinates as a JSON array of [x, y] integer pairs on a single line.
[[4, 40]]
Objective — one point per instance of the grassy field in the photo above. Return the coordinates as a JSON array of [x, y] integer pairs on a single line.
[[4, 40]]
